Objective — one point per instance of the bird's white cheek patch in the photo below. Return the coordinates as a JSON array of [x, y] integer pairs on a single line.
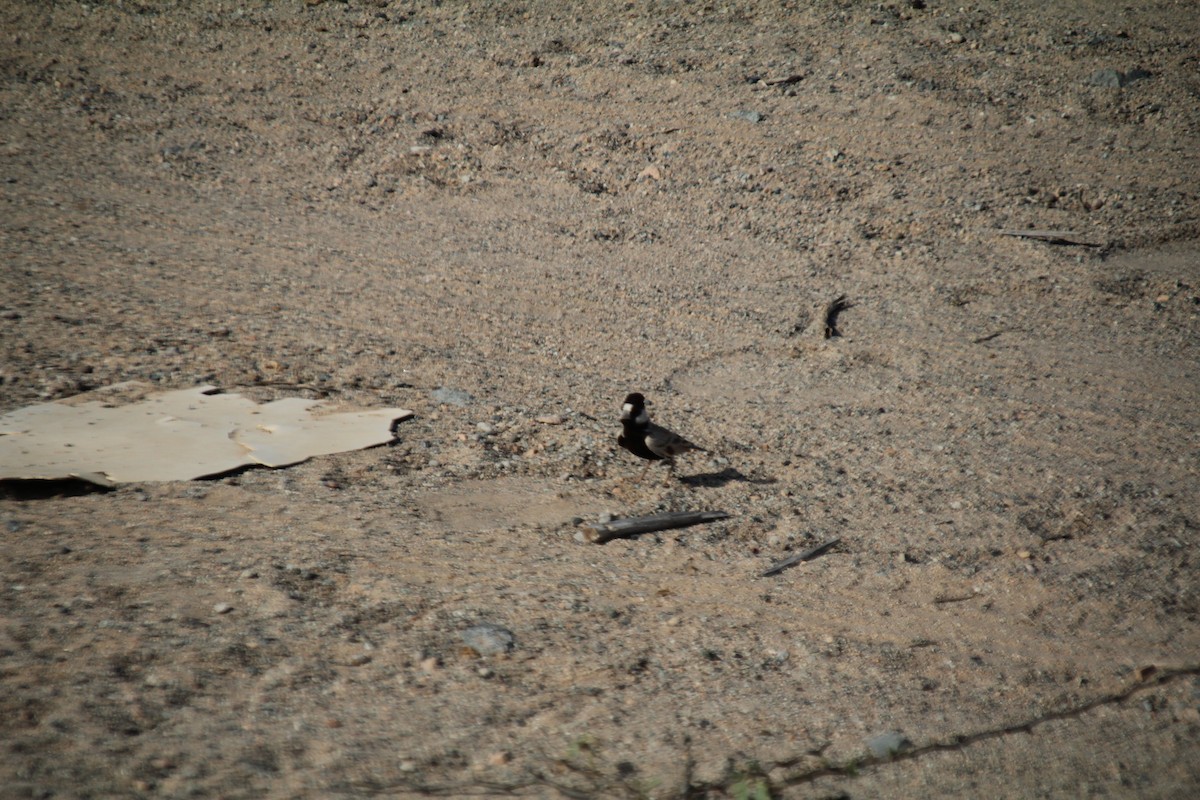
[[627, 408]]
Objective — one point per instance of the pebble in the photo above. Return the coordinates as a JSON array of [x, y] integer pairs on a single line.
[[359, 660], [551, 419], [1108, 78], [222, 608], [487, 638], [748, 116], [451, 397], [1111, 79], [650, 173], [886, 745]]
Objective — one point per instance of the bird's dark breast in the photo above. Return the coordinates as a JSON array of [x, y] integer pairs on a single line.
[[633, 439]]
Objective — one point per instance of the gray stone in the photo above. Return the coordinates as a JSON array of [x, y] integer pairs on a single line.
[[888, 744], [1107, 78], [487, 638], [451, 397], [1111, 79], [748, 116]]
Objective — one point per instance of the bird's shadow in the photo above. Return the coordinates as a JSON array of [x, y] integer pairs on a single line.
[[727, 475]]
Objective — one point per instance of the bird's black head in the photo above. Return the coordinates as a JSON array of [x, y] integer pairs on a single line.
[[634, 407]]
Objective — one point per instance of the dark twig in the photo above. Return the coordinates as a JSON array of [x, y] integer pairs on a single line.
[[1052, 237], [807, 555], [954, 598], [601, 532], [837, 306], [987, 338]]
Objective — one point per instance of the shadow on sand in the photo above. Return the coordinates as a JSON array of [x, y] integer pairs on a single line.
[[727, 475]]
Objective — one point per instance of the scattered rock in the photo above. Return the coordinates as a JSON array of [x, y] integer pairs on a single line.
[[748, 116], [1108, 78], [1112, 79], [650, 173], [487, 639], [452, 397], [886, 745]]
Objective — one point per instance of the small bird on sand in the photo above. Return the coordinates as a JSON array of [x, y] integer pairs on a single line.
[[646, 440]]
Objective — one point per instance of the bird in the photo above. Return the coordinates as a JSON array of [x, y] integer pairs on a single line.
[[646, 440]]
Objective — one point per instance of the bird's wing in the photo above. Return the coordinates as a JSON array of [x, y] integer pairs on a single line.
[[667, 443]]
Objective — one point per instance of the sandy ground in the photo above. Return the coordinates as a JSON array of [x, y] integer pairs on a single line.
[[507, 216]]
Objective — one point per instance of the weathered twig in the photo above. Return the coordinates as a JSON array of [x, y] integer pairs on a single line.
[[807, 555], [987, 338], [954, 598], [1052, 237], [837, 306], [601, 532]]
